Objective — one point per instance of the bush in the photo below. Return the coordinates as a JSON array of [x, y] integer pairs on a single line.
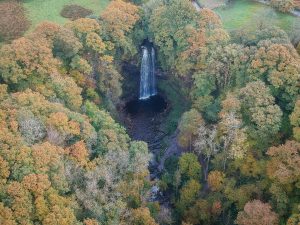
[[13, 21], [74, 12], [283, 5]]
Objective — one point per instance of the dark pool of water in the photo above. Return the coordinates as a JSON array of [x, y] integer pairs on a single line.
[[153, 105]]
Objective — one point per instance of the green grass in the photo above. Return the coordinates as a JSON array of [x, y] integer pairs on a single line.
[[41, 10], [212, 3], [243, 13]]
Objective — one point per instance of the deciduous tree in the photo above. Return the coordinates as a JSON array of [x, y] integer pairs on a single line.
[[189, 166], [188, 126], [118, 20], [278, 65], [215, 180], [295, 121], [258, 105], [257, 213], [284, 165]]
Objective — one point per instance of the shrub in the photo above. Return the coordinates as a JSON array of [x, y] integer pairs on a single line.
[[283, 5], [74, 12], [13, 21]]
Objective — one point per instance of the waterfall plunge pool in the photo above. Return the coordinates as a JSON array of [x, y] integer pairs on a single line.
[[153, 105]]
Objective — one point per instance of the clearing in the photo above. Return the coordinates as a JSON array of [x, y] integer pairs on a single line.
[[245, 13], [41, 10]]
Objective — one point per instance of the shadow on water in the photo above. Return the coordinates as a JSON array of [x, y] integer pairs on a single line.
[[154, 105]]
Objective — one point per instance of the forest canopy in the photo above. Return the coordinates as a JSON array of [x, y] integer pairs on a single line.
[[68, 157]]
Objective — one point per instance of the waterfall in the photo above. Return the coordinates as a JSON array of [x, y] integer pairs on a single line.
[[153, 80], [148, 82]]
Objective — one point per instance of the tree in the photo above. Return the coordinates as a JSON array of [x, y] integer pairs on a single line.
[[88, 32], [59, 122], [295, 121], [90, 222], [4, 173], [29, 63], [104, 72], [117, 21], [199, 213], [227, 64], [139, 156], [284, 165], [189, 166], [165, 216], [259, 108], [250, 165], [202, 39], [203, 85], [294, 219], [278, 65], [257, 213], [6, 215], [48, 159], [63, 41], [215, 180], [67, 91], [79, 152], [206, 144], [168, 24], [188, 125], [24, 58], [234, 138], [110, 81], [188, 195], [141, 216], [283, 5], [32, 129]]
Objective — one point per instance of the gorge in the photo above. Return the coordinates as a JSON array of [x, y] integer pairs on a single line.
[[146, 112]]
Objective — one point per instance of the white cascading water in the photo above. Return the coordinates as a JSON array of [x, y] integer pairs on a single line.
[[153, 80], [147, 83]]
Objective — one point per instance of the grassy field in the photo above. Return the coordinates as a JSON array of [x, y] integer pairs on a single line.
[[241, 13], [41, 10], [212, 3]]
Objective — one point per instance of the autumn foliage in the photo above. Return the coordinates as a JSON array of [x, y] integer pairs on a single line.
[[234, 158], [257, 213]]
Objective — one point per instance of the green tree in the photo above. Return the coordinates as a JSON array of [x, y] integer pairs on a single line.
[[188, 195], [295, 121], [189, 166], [259, 110], [168, 24], [188, 125], [278, 66]]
